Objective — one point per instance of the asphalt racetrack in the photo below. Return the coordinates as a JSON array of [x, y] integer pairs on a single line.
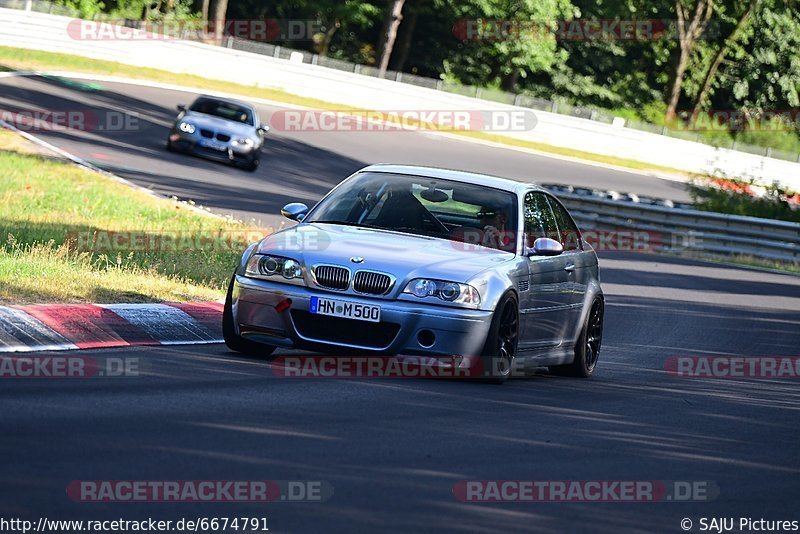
[[295, 166], [392, 450]]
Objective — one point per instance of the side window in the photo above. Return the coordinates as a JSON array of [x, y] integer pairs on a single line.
[[539, 220], [569, 236]]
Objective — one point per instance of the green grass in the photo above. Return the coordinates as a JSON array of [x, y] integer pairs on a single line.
[[23, 59], [54, 217]]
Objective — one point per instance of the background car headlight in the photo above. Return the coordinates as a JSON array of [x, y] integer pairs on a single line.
[[244, 142], [186, 127], [443, 290], [266, 266]]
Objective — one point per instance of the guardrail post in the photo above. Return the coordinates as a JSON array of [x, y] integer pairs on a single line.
[[28, 5], [554, 106], [439, 88], [276, 52]]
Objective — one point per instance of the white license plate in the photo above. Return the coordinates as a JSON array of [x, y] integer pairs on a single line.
[[212, 145], [346, 310]]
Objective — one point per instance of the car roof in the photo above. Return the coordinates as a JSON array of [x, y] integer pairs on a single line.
[[486, 180], [227, 100]]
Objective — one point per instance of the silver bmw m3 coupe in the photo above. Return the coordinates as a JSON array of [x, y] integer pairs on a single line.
[[219, 129], [401, 260]]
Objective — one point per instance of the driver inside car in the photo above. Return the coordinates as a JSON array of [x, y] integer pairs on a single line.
[[493, 222]]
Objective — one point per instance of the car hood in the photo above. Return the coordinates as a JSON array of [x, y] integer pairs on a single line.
[[209, 122], [403, 255]]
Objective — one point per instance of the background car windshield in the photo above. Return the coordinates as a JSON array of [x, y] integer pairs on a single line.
[[225, 110], [424, 206]]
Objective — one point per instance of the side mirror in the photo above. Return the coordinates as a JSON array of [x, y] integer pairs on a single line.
[[544, 246], [263, 128], [295, 211], [181, 107]]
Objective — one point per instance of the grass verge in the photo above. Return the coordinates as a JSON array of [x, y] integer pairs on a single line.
[[12, 59], [71, 235]]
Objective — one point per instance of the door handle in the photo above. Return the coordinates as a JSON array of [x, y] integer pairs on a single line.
[[570, 268]]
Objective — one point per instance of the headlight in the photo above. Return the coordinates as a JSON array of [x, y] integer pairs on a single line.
[[265, 266], [186, 127], [444, 290], [244, 142]]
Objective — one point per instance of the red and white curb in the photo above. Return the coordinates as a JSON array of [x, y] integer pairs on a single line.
[[91, 326]]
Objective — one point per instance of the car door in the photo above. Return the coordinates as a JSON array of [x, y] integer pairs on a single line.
[[544, 303], [577, 265]]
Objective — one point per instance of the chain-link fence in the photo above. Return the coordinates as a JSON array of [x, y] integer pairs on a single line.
[[493, 95]]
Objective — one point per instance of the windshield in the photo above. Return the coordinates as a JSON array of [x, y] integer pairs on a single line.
[[424, 206], [224, 110]]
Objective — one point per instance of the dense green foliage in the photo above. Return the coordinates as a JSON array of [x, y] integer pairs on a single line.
[[736, 197], [743, 56]]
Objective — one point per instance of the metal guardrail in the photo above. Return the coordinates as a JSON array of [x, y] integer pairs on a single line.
[[684, 230]]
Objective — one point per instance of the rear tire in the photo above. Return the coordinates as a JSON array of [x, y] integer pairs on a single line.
[[499, 352], [587, 349], [233, 340]]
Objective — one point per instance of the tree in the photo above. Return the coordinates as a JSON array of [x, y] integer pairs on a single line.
[[336, 14], [394, 15], [220, 14], [689, 31], [504, 41], [204, 11], [767, 75], [726, 46]]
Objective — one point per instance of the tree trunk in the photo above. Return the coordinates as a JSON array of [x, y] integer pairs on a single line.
[[723, 50], [406, 36], [325, 45], [204, 12], [509, 81], [687, 38], [220, 14], [394, 16]]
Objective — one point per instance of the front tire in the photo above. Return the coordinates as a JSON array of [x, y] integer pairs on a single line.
[[252, 165], [587, 349], [234, 341], [499, 352]]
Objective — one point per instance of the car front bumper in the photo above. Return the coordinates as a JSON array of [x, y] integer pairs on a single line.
[[191, 143], [405, 328]]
